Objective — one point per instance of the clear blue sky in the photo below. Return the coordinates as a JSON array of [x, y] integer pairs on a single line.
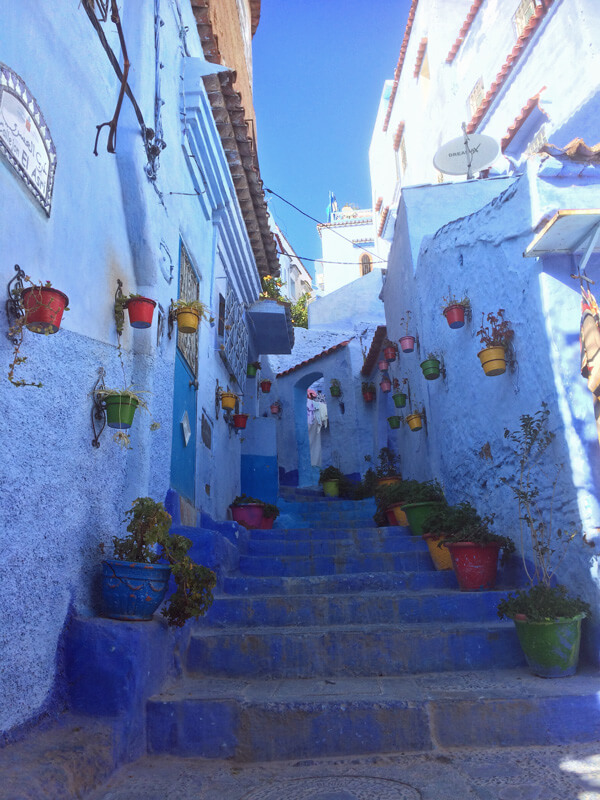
[[319, 70]]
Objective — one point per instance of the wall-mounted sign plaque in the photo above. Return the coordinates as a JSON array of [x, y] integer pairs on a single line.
[[25, 140]]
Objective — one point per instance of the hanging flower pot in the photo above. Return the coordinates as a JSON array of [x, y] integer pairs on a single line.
[[407, 343], [265, 386], [475, 565], [439, 555], [385, 385], [336, 390], [415, 422], [228, 400], [140, 310], [240, 420], [431, 369], [455, 316], [368, 397], [43, 308], [133, 590], [493, 360], [389, 353], [188, 319], [274, 408], [399, 399], [382, 365], [251, 370], [120, 410], [394, 422]]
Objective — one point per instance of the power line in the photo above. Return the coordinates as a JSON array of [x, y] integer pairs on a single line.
[[345, 238], [322, 260]]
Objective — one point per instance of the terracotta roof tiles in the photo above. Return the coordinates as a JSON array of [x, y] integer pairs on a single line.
[[420, 56], [327, 352], [400, 64], [383, 219], [463, 31], [373, 354], [520, 119]]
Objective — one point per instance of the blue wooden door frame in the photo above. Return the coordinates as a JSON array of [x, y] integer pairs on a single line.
[[183, 458]]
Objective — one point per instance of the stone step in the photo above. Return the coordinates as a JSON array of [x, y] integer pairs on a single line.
[[341, 521], [353, 650], [390, 543], [340, 532], [343, 609], [326, 584], [247, 720], [342, 562]]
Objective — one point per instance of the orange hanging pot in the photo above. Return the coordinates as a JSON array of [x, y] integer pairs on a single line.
[[415, 423], [43, 308]]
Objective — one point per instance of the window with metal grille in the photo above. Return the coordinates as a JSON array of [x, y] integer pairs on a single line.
[[476, 97], [189, 289], [523, 15], [538, 141], [234, 338], [366, 264]]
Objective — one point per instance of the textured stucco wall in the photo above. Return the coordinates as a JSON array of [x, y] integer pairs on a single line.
[[467, 412], [61, 498]]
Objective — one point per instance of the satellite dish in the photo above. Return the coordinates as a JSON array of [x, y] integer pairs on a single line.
[[466, 155]]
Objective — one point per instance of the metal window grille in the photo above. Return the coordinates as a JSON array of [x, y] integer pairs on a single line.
[[476, 97], [189, 289], [365, 264], [235, 338]]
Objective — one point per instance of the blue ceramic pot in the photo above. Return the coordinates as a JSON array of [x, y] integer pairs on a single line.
[[133, 591]]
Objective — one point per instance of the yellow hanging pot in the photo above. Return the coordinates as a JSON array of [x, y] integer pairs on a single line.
[[187, 319], [493, 360], [228, 401], [415, 422]]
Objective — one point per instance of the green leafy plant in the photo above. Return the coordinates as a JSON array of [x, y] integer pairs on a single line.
[[330, 474], [388, 463], [270, 511], [540, 603], [368, 386], [452, 300], [119, 310], [466, 525], [537, 472], [196, 305], [271, 286], [498, 331], [423, 491], [299, 310], [150, 542], [335, 387]]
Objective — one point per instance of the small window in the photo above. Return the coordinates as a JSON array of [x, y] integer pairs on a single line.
[[221, 324], [401, 159], [476, 98], [366, 265], [538, 141], [523, 15]]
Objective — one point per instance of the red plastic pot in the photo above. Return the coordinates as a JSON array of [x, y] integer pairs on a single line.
[[385, 386], [407, 343], [455, 316], [250, 516], [368, 397], [140, 311], [382, 365], [266, 524], [240, 420], [274, 408], [475, 565], [44, 308], [265, 386], [389, 353]]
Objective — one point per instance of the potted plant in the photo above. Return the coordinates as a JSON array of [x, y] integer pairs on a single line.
[[495, 338], [247, 511], [385, 385], [382, 365], [389, 350], [547, 618], [415, 421], [228, 399], [265, 386], [120, 405], [275, 407], [387, 470], [335, 388], [454, 309], [431, 367], [140, 310], [330, 478], [442, 522], [270, 514], [240, 420], [394, 421], [188, 314], [474, 550], [368, 391], [407, 342], [136, 581], [252, 369], [421, 498], [389, 500], [399, 397]]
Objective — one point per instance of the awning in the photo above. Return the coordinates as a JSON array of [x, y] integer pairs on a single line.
[[570, 230], [272, 329]]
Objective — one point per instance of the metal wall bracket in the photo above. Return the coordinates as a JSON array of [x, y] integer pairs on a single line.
[[171, 319], [14, 309], [98, 408], [160, 324]]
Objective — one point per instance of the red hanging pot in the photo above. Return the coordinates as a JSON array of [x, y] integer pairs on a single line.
[[407, 343], [44, 308], [274, 408], [265, 386], [455, 316], [240, 420], [475, 565], [368, 397], [385, 386], [382, 365], [140, 311], [389, 353]]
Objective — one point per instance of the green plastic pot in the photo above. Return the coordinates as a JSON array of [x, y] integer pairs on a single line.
[[551, 647], [331, 488], [399, 399], [394, 422], [417, 513], [431, 369], [120, 410], [335, 391], [251, 371]]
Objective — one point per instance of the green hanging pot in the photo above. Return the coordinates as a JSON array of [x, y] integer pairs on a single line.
[[120, 409], [394, 422], [399, 399], [431, 369], [251, 371], [551, 647]]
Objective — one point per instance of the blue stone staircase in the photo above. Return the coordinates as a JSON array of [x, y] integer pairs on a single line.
[[336, 638]]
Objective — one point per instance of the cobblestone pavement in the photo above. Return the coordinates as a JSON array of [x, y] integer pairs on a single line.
[[532, 773]]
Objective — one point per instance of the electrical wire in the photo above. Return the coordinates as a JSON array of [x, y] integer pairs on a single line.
[[322, 260], [270, 191]]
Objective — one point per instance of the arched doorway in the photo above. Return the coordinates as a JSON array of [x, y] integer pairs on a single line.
[[308, 475]]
